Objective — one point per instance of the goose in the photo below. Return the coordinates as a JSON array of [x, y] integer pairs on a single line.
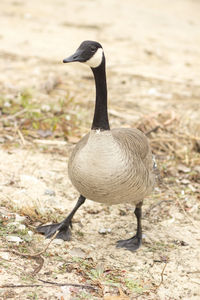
[[108, 166]]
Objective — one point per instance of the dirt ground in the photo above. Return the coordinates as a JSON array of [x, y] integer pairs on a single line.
[[153, 68]]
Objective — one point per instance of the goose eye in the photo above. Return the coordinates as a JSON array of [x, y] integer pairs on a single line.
[[93, 49]]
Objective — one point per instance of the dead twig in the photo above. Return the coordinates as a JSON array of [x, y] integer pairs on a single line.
[[40, 261], [37, 256], [152, 130], [19, 285], [195, 282], [68, 284], [161, 275], [21, 112], [37, 253], [21, 136], [186, 214], [49, 283]]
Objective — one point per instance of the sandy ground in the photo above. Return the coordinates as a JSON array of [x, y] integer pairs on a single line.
[[152, 50]]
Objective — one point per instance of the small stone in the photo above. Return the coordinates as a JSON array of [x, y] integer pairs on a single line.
[[49, 192], [7, 104], [28, 180], [183, 169], [19, 219], [153, 92], [21, 227], [14, 239], [77, 252], [66, 291], [68, 117], [30, 233], [193, 189], [168, 222], [5, 255], [57, 242], [197, 169], [185, 181], [184, 243], [45, 108], [104, 230], [44, 133], [2, 140], [27, 16]]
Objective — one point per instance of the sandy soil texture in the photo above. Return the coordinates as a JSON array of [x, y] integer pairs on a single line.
[[153, 68]]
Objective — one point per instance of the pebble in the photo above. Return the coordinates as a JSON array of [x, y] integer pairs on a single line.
[[44, 133], [27, 16], [7, 104], [185, 181], [57, 242], [168, 222], [19, 219], [5, 256], [49, 192], [66, 291], [45, 108], [30, 232], [183, 168], [193, 189], [197, 168], [153, 92], [156, 93], [28, 179], [104, 230], [77, 252], [14, 239], [2, 140], [21, 227]]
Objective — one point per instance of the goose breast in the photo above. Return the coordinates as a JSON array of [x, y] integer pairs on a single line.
[[112, 166]]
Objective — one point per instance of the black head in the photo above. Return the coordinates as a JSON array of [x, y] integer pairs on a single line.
[[89, 52]]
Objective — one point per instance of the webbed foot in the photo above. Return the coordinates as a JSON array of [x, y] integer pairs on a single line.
[[63, 229], [64, 232], [131, 244]]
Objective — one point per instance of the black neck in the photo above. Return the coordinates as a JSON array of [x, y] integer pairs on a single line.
[[100, 120]]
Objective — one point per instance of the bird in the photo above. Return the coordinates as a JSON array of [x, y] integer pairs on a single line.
[[110, 166]]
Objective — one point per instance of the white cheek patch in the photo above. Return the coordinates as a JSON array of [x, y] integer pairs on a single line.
[[96, 59]]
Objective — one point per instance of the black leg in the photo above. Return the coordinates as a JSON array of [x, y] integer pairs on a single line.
[[63, 229], [134, 243]]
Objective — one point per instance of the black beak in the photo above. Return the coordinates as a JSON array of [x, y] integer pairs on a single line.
[[77, 56]]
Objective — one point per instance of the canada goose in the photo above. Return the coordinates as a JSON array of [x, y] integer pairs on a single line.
[[106, 166]]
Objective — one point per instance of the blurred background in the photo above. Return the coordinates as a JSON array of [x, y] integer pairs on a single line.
[[152, 50]]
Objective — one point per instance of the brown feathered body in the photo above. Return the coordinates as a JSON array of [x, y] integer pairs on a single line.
[[112, 166]]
